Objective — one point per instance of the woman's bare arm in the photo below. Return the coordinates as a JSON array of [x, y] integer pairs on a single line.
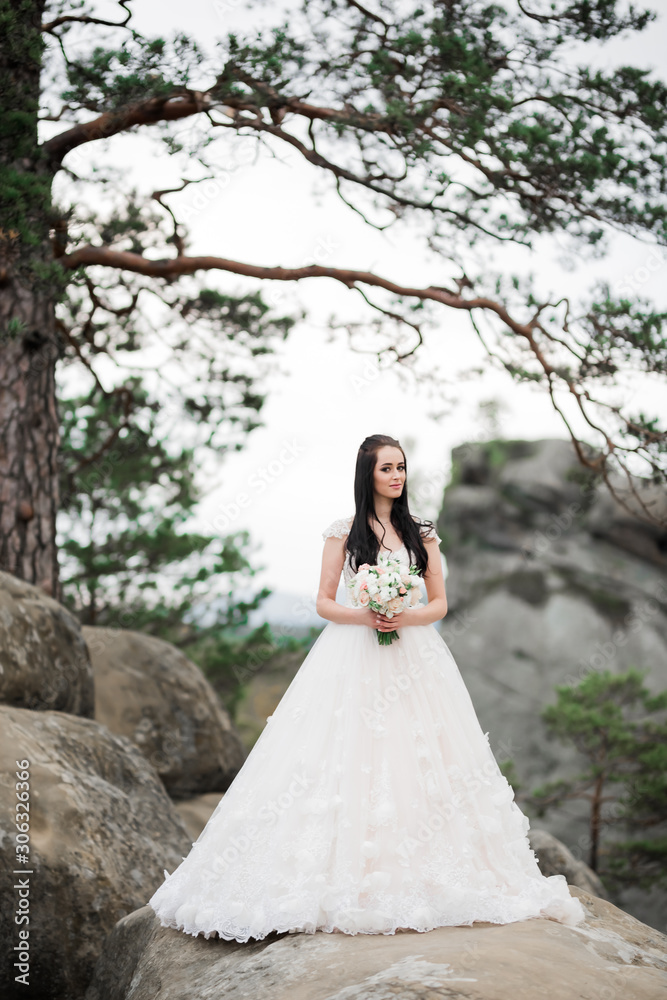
[[327, 606]]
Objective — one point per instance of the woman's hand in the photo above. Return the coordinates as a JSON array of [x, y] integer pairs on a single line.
[[378, 622], [405, 617]]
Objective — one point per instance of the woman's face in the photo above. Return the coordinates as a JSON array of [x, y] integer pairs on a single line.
[[389, 472]]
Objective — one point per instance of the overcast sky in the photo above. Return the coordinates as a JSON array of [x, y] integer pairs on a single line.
[[295, 474]]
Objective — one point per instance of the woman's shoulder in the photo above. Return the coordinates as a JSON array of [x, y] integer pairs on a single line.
[[426, 529], [339, 528]]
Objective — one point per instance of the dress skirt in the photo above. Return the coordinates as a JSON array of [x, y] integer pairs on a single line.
[[370, 802]]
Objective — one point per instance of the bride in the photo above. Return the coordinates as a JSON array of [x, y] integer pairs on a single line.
[[372, 801]]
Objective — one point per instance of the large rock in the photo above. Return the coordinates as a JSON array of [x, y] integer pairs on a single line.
[[45, 663], [608, 955], [526, 494], [147, 690], [264, 684], [102, 832], [197, 811], [543, 587], [618, 518], [501, 489], [554, 858]]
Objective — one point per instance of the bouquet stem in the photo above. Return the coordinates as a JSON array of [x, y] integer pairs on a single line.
[[386, 638]]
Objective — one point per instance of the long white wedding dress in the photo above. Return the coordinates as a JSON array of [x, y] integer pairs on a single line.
[[370, 802]]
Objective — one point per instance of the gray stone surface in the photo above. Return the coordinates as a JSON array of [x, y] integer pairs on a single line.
[[543, 587], [197, 811], [609, 955], [617, 518], [44, 662], [555, 859], [102, 832], [148, 690]]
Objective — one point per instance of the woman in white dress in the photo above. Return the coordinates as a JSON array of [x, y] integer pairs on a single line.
[[372, 801]]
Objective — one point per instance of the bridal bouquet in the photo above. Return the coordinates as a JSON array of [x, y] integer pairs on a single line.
[[388, 588]]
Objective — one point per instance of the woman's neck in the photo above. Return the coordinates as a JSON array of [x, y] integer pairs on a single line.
[[383, 507]]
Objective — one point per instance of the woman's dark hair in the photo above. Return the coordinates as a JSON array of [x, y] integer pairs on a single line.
[[362, 542]]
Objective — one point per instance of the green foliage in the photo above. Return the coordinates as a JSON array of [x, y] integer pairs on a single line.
[[127, 493], [25, 186], [481, 122], [589, 347], [472, 116], [274, 61], [509, 772], [217, 346], [112, 79], [15, 327], [620, 729], [438, 85], [623, 333], [231, 660]]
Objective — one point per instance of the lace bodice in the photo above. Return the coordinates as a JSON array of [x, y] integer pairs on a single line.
[[341, 528]]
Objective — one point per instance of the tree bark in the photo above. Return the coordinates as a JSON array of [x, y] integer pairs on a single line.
[[29, 441], [29, 289]]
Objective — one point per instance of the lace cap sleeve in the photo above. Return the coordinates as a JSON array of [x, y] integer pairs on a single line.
[[339, 528], [429, 532]]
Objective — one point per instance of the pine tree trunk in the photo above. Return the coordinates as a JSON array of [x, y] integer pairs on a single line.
[[30, 284], [29, 441]]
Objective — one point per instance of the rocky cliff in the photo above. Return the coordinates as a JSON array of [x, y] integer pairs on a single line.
[[609, 956], [88, 825], [548, 579]]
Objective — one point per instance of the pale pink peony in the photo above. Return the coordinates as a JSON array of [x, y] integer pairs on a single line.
[[364, 598]]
